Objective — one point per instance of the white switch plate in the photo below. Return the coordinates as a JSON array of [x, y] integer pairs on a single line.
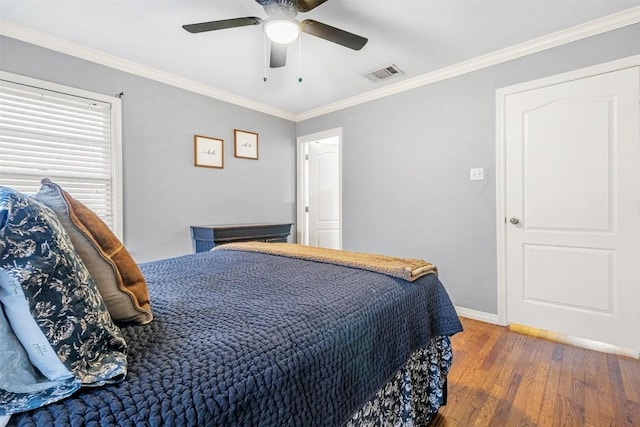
[[476, 174]]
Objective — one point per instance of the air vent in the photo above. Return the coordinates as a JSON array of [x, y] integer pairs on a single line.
[[383, 73]]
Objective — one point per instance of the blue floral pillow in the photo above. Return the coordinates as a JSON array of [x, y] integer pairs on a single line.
[[50, 300]]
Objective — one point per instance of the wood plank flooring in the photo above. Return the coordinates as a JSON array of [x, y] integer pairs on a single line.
[[503, 378]]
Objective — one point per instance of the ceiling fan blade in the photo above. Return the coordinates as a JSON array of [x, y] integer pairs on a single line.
[[222, 24], [307, 5], [333, 34], [278, 55]]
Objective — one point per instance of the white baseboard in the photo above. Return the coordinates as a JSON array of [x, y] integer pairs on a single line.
[[478, 315]]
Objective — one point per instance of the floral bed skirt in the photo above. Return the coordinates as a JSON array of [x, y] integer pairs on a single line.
[[414, 394]]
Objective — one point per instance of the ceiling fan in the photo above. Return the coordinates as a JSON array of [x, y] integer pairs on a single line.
[[282, 28]]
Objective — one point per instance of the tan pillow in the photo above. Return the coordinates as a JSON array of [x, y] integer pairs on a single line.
[[116, 274]]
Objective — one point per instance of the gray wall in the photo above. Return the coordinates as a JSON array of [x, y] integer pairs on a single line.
[[406, 160], [163, 192]]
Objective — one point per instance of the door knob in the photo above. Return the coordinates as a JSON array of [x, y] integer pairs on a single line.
[[514, 220]]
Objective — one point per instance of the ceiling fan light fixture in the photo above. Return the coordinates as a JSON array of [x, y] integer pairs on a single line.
[[282, 31]]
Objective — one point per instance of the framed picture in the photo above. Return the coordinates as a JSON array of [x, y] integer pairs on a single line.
[[245, 144], [208, 152]]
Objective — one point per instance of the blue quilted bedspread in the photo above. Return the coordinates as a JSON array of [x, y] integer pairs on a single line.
[[248, 339]]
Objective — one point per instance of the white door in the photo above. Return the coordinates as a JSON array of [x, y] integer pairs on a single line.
[[324, 193], [572, 201]]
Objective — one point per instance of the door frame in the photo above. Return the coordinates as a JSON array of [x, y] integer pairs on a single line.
[[501, 217], [301, 215]]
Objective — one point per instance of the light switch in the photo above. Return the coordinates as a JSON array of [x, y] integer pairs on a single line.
[[476, 174]]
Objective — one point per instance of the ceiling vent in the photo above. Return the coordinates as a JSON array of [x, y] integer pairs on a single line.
[[383, 73]]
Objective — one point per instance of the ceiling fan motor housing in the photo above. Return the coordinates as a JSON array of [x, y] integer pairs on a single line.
[[288, 3], [279, 8]]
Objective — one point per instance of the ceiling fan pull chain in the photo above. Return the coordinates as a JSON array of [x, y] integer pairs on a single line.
[[264, 37], [300, 58]]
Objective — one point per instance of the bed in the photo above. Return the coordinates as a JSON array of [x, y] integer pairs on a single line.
[[250, 338]]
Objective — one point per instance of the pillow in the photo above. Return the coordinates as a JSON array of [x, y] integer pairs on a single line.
[[22, 388], [115, 273], [52, 304]]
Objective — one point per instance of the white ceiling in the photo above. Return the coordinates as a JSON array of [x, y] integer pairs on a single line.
[[419, 36]]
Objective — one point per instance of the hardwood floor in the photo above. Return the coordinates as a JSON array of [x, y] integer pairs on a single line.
[[503, 378]]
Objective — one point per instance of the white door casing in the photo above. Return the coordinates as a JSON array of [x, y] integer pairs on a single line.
[[571, 151], [319, 189]]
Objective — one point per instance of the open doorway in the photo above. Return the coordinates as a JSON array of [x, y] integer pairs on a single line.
[[319, 183]]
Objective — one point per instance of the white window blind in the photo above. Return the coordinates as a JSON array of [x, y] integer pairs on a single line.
[[67, 138]]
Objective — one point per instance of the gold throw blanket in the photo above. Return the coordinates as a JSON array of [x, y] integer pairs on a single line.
[[408, 269]]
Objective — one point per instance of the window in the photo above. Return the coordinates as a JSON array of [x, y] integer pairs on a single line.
[[68, 135]]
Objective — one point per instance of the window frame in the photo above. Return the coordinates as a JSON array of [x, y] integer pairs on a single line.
[[116, 136]]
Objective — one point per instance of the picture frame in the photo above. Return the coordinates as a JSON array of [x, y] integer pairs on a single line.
[[245, 144], [208, 152]]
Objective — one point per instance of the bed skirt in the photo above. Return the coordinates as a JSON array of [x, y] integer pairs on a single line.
[[414, 394]]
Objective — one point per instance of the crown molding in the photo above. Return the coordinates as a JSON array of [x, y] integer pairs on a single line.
[[612, 22], [41, 39], [598, 26]]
